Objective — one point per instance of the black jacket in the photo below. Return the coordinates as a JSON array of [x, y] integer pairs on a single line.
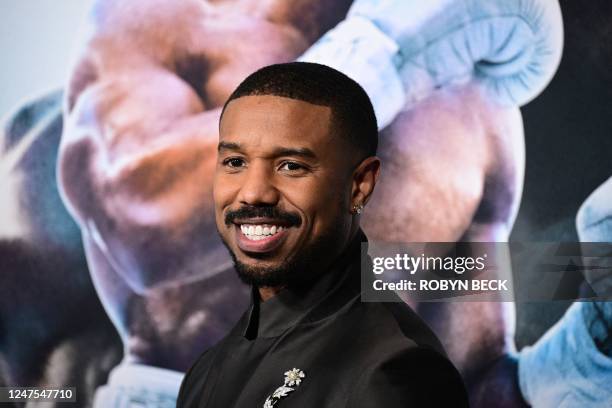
[[352, 354]]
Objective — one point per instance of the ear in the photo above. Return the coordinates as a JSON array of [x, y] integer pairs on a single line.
[[364, 180]]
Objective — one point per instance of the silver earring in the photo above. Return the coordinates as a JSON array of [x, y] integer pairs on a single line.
[[357, 209]]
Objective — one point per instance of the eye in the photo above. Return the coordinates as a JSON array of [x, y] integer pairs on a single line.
[[234, 162], [292, 167]]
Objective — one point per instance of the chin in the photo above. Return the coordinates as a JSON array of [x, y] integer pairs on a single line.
[[261, 273]]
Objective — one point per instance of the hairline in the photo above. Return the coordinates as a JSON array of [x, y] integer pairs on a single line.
[[334, 123]]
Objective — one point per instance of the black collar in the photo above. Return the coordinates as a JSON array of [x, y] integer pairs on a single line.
[[292, 306]]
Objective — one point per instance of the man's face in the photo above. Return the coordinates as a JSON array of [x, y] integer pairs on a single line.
[[282, 188]]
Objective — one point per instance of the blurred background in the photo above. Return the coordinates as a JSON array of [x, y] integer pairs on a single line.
[[36, 39]]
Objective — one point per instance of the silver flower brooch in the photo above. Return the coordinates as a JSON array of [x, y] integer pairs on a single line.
[[293, 378]]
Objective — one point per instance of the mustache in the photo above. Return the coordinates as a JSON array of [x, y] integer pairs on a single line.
[[292, 219]]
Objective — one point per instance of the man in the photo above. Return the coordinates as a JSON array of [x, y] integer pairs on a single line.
[[296, 166]]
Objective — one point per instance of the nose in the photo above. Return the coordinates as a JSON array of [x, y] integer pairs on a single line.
[[258, 186]]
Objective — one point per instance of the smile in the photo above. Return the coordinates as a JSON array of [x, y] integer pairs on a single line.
[[261, 231], [260, 238]]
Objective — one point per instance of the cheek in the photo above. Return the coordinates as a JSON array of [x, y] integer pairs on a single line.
[[331, 219], [321, 203], [222, 199], [223, 188]]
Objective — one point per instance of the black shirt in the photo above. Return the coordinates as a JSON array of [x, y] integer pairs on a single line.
[[351, 353]]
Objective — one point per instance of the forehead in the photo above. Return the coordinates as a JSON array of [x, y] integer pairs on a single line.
[[273, 120]]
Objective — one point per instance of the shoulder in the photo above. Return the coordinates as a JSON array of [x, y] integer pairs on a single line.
[[405, 365], [194, 379], [193, 383], [396, 322], [413, 376]]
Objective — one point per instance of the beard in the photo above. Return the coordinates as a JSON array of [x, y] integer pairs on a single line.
[[297, 270], [291, 272]]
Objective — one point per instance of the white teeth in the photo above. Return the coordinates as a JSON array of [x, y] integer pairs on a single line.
[[257, 232]]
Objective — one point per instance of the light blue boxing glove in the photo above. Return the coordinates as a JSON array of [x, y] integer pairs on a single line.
[[594, 224], [564, 369], [402, 50], [571, 365]]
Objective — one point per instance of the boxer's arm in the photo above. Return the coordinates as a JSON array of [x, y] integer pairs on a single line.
[[452, 164], [135, 132], [482, 348], [460, 162], [141, 189], [432, 176], [498, 385], [474, 344]]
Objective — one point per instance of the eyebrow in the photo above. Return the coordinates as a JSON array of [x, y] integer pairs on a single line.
[[300, 152], [278, 152], [228, 146]]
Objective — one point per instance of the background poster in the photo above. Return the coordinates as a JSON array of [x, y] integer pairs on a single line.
[[53, 328]]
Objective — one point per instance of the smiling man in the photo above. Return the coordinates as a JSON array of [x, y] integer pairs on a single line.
[[297, 163]]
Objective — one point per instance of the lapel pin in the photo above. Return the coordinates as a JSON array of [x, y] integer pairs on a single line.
[[293, 378]]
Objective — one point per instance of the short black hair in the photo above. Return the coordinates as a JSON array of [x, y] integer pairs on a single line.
[[352, 112]]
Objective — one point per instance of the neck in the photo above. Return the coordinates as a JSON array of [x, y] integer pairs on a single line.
[[266, 292]]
